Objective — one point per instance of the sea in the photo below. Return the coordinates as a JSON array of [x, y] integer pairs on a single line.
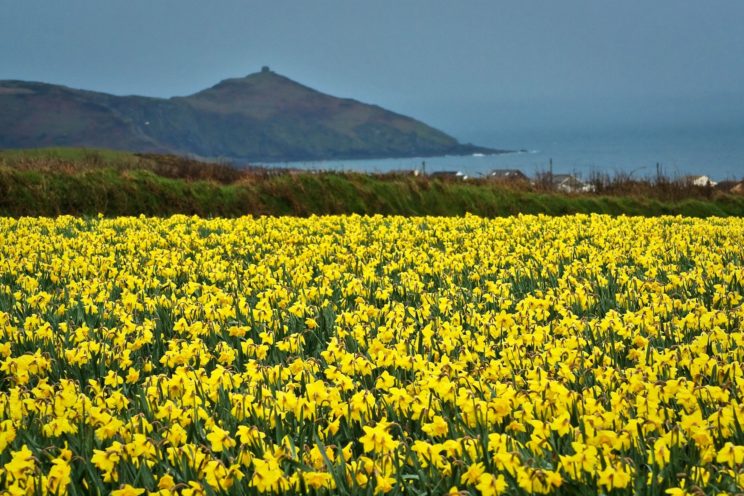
[[714, 151]]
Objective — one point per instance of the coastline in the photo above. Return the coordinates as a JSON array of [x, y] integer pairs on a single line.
[[88, 182]]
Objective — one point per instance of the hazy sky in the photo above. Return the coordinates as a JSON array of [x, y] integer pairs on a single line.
[[462, 65]]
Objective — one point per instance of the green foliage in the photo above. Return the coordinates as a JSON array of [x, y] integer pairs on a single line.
[[113, 192], [56, 181]]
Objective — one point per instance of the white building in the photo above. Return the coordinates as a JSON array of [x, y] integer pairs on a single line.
[[699, 181], [571, 184]]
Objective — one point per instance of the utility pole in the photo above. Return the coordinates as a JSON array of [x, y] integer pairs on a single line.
[[423, 167]]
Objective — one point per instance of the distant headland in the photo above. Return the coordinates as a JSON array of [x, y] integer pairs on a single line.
[[263, 117]]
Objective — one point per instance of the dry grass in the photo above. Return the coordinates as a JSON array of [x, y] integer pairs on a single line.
[[83, 182]]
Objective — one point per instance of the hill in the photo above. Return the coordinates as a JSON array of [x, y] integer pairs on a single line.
[[262, 117]]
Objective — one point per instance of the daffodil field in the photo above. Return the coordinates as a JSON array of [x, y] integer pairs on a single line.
[[372, 355]]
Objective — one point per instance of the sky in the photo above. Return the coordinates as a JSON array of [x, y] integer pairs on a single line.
[[466, 66]]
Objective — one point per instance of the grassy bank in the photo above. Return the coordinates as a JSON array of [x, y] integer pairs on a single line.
[[80, 182]]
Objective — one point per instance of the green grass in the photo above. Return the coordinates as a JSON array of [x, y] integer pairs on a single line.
[[52, 182]]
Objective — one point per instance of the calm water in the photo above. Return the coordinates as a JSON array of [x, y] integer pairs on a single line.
[[717, 152]]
